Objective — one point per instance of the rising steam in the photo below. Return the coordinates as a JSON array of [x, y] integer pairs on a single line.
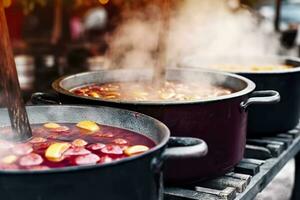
[[198, 30]]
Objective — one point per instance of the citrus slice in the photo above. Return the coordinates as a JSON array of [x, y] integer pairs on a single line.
[[88, 125], [137, 149], [55, 151]]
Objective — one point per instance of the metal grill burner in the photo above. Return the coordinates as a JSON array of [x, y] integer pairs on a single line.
[[264, 158]]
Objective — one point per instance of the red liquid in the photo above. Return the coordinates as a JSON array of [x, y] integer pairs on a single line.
[[145, 91], [103, 146]]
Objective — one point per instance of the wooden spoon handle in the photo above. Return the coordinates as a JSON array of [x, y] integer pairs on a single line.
[[10, 87]]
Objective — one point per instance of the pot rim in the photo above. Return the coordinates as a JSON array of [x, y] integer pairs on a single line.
[[294, 69], [56, 85], [160, 145]]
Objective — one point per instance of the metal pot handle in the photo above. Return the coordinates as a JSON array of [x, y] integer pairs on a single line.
[[180, 148], [41, 98], [185, 147], [261, 97]]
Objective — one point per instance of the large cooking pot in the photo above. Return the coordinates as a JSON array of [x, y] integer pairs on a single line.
[[268, 119], [134, 178], [221, 121]]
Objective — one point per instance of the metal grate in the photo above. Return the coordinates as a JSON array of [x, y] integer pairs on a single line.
[[264, 158]]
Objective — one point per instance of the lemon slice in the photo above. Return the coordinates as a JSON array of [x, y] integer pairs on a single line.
[[55, 151], [137, 149], [88, 125]]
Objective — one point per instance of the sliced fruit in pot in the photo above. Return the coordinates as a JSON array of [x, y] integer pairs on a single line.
[[55, 151], [112, 149], [60, 129], [96, 146], [88, 125], [42, 145], [87, 159], [10, 159], [51, 125], [79, 143], [22, 149], [31, 160], [76, 151], [137, 149]]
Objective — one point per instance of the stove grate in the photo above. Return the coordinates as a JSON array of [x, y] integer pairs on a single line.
[[263, 159]]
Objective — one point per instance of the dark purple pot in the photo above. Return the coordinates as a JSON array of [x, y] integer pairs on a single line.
[[221, 122], [265, 120]]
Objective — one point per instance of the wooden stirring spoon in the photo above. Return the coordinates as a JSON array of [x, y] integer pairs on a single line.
[[10, 85]]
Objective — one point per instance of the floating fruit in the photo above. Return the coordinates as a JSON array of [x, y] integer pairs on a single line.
[[60, 129], [88, 125], [137, 149], [79, 143], [87, 159], [96, 146], [22, 149], [9, 159], [112, 149], [76, 151], [31, 160], [55, 151], [51, 125]]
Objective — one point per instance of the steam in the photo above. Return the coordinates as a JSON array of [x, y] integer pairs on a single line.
[[134, 43], [210, 32], [200, 32]]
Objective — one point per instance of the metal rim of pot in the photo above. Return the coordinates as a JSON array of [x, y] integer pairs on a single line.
[[197, 148], [249, 88], [271, 72]]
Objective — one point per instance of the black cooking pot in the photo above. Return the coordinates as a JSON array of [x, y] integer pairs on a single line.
[[267, 119], [220, 121], [284, 116], [134, 178]]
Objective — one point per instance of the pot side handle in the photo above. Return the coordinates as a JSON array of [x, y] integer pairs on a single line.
[[41, 98], [185, 147], [261, 97]]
